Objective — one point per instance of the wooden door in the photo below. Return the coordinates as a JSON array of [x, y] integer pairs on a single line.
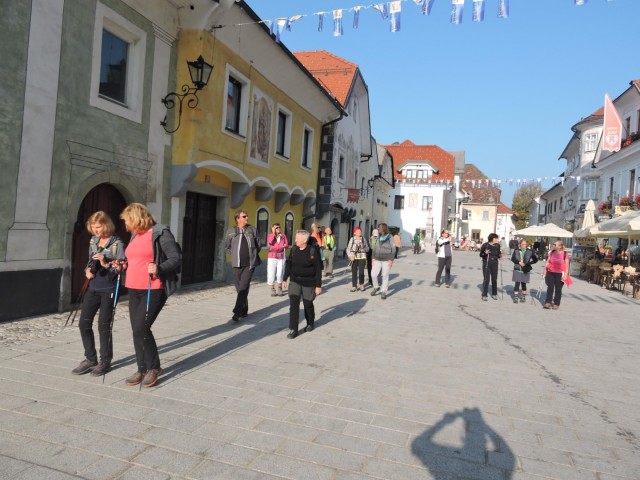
[[198, 238], [103, 197]]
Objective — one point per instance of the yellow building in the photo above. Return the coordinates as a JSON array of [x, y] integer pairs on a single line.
[[253, 140]]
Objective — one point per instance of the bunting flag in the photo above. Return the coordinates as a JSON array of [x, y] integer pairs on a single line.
[[456, 11], [395, 9], [503, 8], [478, 10], [382, 8], [582, 2], [280, 24], [337, 23], [320, 20], [612, 131], [295, 18], [425, 6], [356, 16]]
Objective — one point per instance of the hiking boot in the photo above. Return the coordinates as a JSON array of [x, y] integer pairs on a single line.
[[135, 379], [353, 289], [523, 299], [436, 285], [309, 327], [102, 368], [235, 318], [495, 297], [484, 298], [273, 291], [85, 367], [374, 291], [547, 306], [151, 378], [515, 299], [279, 290], [383, 295], [292, 334]]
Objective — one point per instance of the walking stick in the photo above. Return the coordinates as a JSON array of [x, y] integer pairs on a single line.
[[113, 317], [79, 300], [146, 319], [501, 284]]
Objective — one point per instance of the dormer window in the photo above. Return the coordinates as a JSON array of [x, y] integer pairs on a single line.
[[590, 142]]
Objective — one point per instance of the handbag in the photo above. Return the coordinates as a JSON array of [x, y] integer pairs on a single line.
[[527, 268]]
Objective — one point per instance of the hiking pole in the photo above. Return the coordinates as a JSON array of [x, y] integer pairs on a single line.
[[146, 319], [79, 300], [501, 284], [113, 317]]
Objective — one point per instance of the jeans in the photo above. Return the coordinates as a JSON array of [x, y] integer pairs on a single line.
[[92, 302], [144, 342], [444, 264]]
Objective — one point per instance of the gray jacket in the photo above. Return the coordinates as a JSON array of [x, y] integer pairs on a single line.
[[232, 245], [167, 256]]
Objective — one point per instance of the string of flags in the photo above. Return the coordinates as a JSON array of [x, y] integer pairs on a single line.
[[389, 11], [493, 182]]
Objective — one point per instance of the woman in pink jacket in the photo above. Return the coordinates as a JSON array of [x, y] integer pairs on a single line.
[[278, 244]]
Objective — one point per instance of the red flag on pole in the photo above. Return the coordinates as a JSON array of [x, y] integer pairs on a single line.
[[612, 132]]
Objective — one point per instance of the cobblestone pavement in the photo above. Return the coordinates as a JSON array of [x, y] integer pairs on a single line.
[[431, 383]]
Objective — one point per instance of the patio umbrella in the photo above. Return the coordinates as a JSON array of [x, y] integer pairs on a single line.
[[588, 221], [625, 226], [548, 230]]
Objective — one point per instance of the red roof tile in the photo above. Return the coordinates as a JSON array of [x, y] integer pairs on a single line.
[[504, 210], [408, 151], [334, 73], [479, 194]]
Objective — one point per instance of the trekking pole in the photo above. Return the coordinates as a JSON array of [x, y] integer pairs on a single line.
[[113, 317], [79, 300], [485, 275], [146, 319], [501, 284]]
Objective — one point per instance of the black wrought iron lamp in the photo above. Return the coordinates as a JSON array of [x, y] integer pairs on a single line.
[[200, 71]]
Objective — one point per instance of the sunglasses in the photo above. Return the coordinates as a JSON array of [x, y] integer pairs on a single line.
[[243, 216]]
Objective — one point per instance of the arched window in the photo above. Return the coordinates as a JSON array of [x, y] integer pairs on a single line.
[[263, 225], [288, 227]]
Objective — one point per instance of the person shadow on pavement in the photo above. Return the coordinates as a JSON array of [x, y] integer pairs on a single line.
[[482, 448]]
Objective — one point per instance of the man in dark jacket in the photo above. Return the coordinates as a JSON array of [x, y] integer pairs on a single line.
[[304, 267], [490, 253], [241, 243]]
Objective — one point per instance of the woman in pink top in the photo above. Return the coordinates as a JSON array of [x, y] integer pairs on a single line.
[[154, 260], [555, 272], [278, 244]]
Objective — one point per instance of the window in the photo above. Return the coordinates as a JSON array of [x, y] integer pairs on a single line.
[[341, 167], [589, 191], [398, 202], [632, 182], [627, 126], [485, 215], [307, 147], [283, 133], [262, 226], [288, 227], [427, 203], [590, 142], [117, 69], [236, 104]]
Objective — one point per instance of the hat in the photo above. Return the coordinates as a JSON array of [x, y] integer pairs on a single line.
[[375, 232], [356, 229]]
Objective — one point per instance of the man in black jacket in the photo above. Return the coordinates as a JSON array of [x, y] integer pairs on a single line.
[[305, 269], [490, 253]]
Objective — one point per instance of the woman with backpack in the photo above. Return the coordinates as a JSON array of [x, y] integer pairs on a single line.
[[357, 249], [443, 252], [382, 256], [105, 251]]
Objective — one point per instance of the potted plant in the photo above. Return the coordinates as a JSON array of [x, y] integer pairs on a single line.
[[605, 207], [625, 201], [636, 200]]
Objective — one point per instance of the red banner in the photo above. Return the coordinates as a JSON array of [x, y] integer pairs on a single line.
[[612, 133], [353, 195]]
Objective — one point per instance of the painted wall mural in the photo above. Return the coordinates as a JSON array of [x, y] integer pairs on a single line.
[[261, 115]]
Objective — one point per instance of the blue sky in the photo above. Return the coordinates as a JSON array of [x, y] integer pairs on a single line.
[[507, 91]]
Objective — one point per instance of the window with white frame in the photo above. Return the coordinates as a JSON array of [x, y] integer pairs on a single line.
[[589, 191], [236, 105], [262, 225], [306, 159], [117, 70], [485, 215], [427, 203], [590, 142], [283, 132], [341, 167]]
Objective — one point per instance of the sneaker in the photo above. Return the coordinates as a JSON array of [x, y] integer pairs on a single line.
[[292, 334], [523, 299], [102, 368], [151, 378], [484, 298], [515, 299], [555, 307], [135, 379], [374, 291], [235, 318], [353, 289], [362, 288], [383, 296], [547, 306], [437, 284], [85, 367], [495, 297], [447, 285], [309, 328], [273, 292]]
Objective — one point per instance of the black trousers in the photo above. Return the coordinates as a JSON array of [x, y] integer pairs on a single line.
[[517, 287], [490, 271], [444, 264], [369, 254], [242, 281], [144, 342], [94, 301], [357, 272], [308, 295], [554, 287]]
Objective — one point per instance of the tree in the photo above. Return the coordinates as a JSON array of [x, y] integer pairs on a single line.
[[521, 200]]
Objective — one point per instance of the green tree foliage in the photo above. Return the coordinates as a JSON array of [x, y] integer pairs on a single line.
[[521, 200]]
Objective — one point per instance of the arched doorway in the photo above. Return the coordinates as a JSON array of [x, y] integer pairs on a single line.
[[103, 197]]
